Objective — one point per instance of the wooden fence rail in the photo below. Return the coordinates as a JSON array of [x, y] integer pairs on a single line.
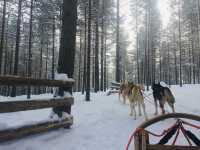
[[14, 106], [21, 81], [11, 134]]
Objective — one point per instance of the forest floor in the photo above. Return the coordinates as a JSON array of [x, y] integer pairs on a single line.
[[102, 124]]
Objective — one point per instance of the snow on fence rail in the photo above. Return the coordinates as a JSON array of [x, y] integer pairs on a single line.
[[11, 134], [14, 106]]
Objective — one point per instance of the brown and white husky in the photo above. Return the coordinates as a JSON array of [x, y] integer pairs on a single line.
[[134, 94]]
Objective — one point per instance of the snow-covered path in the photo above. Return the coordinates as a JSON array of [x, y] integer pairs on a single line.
[[102, 124]]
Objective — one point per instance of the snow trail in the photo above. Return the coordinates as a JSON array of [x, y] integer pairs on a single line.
[[102, 124]]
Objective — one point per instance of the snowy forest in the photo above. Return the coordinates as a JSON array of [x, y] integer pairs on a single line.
[[105, 51], [98, 45], [31, 32]]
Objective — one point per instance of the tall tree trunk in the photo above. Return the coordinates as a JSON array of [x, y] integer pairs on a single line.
[[190, 61], [15, 72], [41, 57], [88, 52], [168, 63], [68, 42], [180, 43], [11, 61], [46, 62], [85, 51], [93, 57], [148, 44], [105, 60], [6, 58], [10, 68], [53, 49], [153, 70], [160, 63], [80, 60], [198, 44], [193, 55], [2, 34], [137, 41], [175, 59], [97, 48], [102, 46], [30, 48], [6, 51], [118, 73], [68, 36], [146, 47]]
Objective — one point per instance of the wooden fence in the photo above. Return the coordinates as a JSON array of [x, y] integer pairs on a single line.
[[20, 105]]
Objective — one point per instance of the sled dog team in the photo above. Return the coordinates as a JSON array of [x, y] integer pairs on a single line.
[[134, 93]]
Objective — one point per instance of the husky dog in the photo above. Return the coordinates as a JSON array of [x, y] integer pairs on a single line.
[[135, 97], [123, 90], [163, 95]]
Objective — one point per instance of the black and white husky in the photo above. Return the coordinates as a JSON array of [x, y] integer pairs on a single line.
[[162, 95]]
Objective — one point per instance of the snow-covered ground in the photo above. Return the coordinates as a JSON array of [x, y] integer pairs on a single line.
[[102, 124]]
